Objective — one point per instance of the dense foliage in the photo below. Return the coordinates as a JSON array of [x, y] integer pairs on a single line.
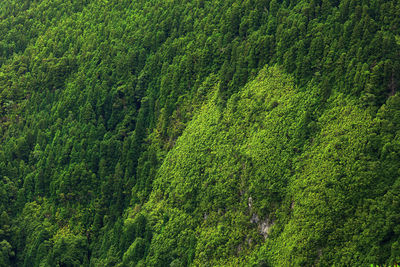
[[175, 133]]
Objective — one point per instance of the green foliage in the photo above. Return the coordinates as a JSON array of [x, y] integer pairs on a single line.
[[68, 249], [156, 133]]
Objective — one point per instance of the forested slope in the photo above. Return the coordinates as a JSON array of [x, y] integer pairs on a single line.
[[175, 133]]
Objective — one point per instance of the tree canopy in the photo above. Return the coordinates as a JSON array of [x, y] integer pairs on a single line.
[[178, 133]]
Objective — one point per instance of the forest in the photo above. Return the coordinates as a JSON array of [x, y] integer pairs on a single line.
[[199, 133]]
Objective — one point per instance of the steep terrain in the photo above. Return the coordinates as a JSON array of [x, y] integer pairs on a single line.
[[175, 133]]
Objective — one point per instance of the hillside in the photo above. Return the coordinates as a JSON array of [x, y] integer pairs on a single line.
[[199, 133]]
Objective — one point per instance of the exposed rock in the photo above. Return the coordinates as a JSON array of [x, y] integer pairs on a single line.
[[265, 226], [250, 202], [254, 218], [239, 249]]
